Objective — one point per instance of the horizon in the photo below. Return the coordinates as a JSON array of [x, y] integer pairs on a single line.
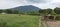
[[44, 4]]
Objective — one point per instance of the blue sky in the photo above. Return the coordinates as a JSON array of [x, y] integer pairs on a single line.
[[4, 4]]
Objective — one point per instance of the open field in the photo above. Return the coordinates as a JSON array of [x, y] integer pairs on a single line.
[[14, 20]]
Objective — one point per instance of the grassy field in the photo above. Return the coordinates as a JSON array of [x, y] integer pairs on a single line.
[[14, 20]]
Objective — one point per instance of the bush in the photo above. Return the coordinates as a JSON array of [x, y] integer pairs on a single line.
[[3, 24], [34, 14], [57, 17]]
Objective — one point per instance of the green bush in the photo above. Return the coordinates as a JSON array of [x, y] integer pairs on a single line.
[[57, 17]]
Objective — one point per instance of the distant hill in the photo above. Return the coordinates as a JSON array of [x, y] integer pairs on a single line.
[[27, 8]]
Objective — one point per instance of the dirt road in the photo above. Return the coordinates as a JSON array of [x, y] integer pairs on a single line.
[[53, 23]]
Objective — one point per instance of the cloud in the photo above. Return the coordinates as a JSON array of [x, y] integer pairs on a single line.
[[39, 3], [52, 4], [4, 4]]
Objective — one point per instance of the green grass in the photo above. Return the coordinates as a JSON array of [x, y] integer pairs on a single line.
[[14, 20], [42, 25]]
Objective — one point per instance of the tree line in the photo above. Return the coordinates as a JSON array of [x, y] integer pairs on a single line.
[[55, 11], [9, 11], [41, 11]]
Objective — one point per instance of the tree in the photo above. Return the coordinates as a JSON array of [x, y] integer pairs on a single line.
[[15, 12], [12, 11], [31, 12], [45, 11], [57, 10], [9, 11], [1, 11], [49, 10], [53, 13], [40, 11]]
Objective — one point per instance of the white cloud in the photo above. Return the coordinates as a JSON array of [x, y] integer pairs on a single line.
[[9, 4], [52, 4], [39, 3]]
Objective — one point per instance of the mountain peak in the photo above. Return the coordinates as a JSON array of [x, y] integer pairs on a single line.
[[27, 8], [28, 5]]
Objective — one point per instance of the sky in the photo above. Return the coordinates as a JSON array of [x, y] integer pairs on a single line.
[[5, 4]]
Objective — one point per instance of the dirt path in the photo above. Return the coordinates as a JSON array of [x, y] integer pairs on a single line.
[[53, 23]]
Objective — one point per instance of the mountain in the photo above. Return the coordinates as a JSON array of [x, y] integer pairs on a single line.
[[27, 8]]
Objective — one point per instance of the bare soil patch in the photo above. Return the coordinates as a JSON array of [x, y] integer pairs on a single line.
[[53, 23]]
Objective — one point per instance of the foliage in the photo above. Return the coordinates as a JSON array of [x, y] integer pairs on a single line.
[[9, 11], [45, 11], [1, 11], [15, 12], [57, 10], [53, 13], [57, 17]]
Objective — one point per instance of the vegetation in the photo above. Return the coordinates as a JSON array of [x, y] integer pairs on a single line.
[[13, 20], [45, 11], [41, 11], [30, 19], [57, 10]]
